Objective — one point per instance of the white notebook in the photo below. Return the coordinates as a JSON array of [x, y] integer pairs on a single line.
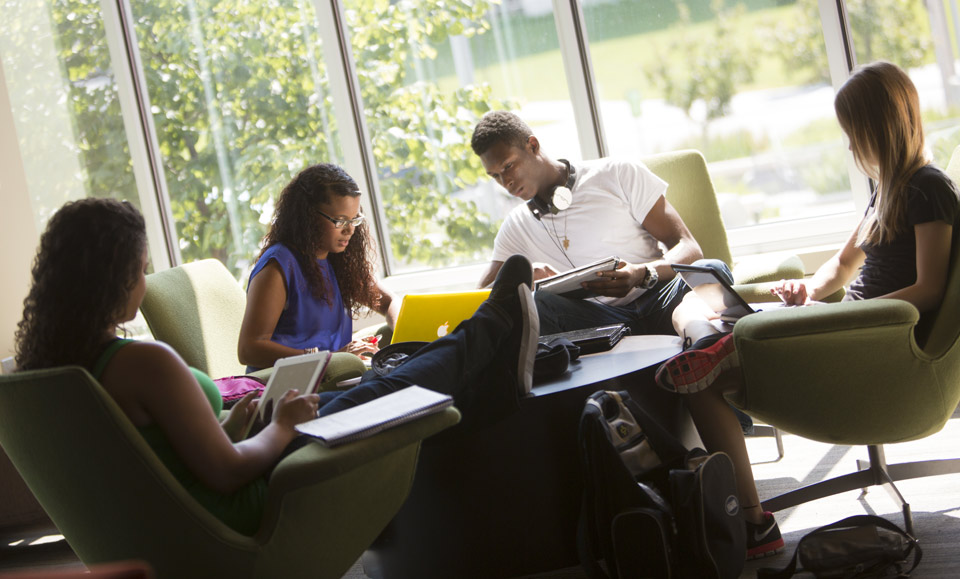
[[375, 416]]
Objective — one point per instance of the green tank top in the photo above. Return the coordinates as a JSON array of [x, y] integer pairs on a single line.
[[241, 510]]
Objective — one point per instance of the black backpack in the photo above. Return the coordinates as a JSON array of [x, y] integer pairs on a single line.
[[652, 508]]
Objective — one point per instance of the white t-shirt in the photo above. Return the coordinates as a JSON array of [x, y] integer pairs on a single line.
[[611, 198]]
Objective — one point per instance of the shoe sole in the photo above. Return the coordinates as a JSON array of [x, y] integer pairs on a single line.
[[695, 370], [528, 339], [768, 550]]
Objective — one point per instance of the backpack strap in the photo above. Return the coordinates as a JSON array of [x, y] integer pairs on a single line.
[[667, 446]]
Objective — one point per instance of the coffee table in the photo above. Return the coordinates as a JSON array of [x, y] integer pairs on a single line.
[[504, 501]]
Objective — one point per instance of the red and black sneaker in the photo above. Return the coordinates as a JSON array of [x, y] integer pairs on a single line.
[[764, 539], [697, 367]]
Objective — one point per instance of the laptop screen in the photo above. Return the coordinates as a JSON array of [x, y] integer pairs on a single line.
[[714, 291]]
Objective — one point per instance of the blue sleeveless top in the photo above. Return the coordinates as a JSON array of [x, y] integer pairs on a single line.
[[306, 320]]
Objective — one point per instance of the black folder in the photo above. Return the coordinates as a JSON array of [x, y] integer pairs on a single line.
[[592, 340]]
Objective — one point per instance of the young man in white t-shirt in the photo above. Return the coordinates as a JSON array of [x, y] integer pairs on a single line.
[[581, 213]]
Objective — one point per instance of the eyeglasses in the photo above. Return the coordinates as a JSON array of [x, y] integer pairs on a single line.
[[341, 223]]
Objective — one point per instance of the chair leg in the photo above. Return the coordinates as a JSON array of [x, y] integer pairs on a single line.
[[766, 430], [875, 472]]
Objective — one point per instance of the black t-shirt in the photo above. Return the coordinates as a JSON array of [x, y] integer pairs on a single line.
[[888, 267]]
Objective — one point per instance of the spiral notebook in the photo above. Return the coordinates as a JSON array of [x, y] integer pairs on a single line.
[[375, 416]]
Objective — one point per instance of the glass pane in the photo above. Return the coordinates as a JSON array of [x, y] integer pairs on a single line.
[[428, 70], [920, 39], [241, 104], [745, 82], [64, 102]]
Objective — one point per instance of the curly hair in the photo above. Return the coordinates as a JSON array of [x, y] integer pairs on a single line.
[[88, 262], [499, 127], [295, 226]]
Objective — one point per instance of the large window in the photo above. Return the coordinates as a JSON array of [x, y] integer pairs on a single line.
[[240, 100], [746, 82], [65, 104], [428, 70], [916, 35], [201, 110]]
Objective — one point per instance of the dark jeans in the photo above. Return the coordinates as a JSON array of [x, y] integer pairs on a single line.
[[471, 364], [651, 313]]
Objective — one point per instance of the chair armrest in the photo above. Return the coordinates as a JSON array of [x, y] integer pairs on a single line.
[[827, 321], [767, 268], [316, 462], [847, 373]]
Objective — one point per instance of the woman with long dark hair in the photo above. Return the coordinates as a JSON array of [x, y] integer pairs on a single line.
[[314, 273]]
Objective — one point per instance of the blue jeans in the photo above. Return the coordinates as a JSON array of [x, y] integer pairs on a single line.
[[651, 313]]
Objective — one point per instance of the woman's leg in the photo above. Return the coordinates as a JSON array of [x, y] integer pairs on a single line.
[[720, 431]]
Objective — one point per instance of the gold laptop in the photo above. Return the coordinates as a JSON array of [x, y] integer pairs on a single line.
[[426, 317]]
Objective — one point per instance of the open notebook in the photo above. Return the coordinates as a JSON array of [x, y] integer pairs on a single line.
[[375, 416], [426, 317]]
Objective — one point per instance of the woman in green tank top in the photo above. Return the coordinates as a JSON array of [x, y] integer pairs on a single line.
[[68, 322], [88, 279]]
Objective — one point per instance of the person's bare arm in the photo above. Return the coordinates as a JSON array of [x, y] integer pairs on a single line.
[[664, 223], [486, 280], [156, 387], [835, 273], [266, 297], [933, 261], [389, 304]]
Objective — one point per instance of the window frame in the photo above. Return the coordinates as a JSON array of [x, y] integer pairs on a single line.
[[790, 234]]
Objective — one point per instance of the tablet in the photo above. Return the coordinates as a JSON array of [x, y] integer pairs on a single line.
[[567, 284], [303, 372], [715, 291]]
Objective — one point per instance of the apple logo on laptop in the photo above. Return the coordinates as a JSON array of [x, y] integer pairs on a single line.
[[443, 329]]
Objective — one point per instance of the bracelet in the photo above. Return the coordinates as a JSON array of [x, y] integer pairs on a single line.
[[313, 350]]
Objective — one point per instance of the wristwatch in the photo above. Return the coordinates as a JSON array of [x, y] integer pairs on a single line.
[[650, 279]]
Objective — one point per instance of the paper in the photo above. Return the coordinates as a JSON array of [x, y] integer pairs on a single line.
[[375, 416]]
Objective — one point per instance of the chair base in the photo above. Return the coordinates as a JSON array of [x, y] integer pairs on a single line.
[[875, 472]]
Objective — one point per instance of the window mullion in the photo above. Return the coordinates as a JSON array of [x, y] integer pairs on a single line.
[[572, 35], [141, 133], [354, 136], [842, 59]]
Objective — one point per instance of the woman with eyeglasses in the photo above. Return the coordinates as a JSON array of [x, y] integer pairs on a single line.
[[314, 274]]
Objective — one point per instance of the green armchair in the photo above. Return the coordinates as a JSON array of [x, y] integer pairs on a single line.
[[198, 308], [113, 499], [856, 373], [692, 194]]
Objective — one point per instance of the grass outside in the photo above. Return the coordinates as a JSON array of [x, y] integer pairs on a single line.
[[619, 64]]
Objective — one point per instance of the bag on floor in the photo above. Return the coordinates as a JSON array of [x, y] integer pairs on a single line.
[[861, 546], [652, 508]]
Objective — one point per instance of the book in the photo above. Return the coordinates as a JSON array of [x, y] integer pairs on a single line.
[[303, 372], [375, 416], [567, 284]]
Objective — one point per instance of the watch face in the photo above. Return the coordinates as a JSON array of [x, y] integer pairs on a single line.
[[562, 197]]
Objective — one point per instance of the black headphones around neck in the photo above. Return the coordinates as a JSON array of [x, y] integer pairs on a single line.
[[539, 207]]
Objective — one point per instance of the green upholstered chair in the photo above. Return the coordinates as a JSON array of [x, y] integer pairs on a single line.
[[856, 373], [691, 193], [198, 308], [113, 499]]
